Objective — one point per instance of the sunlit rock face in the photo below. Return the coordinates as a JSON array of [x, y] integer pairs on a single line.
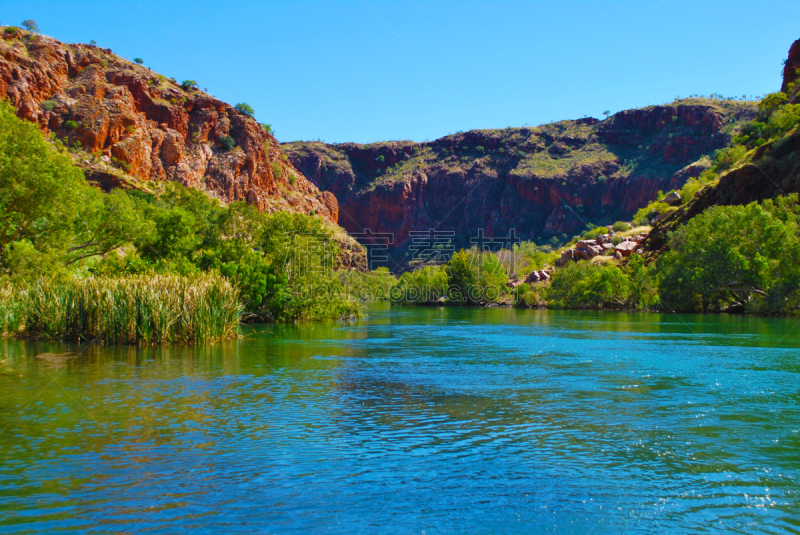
[[543, 181], [149, 127]]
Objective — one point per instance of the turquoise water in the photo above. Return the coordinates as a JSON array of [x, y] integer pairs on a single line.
[[414, 421]]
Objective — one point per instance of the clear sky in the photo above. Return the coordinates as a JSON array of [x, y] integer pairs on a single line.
[[372, 70]]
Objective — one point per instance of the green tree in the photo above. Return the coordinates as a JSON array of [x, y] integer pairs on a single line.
[[104, 222], [30, 25], [245, 108], [138, 61], [476, 278], [422, 286], [40, 188], [588, 285], [744, 258]]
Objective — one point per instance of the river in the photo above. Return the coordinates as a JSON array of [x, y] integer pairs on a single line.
[[416, 420]]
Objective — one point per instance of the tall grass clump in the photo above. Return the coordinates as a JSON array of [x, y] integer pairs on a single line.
[[11, 310], [142, 310]]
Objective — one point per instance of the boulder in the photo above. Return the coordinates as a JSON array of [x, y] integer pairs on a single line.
[[545, 276], [533, 277], [673, 198], [626, 248]]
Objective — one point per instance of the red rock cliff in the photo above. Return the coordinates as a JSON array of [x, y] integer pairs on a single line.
[[791, 70], [540, 181], [126, 116]]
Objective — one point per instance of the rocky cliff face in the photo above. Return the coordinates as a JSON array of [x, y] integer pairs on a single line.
[[127, 121], [542, 181], [771, 170], [791, 70]]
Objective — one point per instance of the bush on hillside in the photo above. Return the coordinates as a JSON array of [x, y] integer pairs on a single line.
[[245, 108], [227, 143], [744, 258]]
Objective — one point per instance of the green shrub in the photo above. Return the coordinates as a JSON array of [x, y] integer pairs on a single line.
[[476, 278], [70, 125], [735, 258], [426, 285], [227, 143], [594, 233], [728, 157], [48, 105], [121, 164], [620, 226], [372, 286], [277, 171], [643, 287], [588, 285], [771, 102], [292, 179], [189, 85], [245, 108], [643, 216], [528, 257], [530, 296]]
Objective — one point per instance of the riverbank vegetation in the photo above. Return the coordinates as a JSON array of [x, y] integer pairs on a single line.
[[63, 240], [168, 264], [727, 259], [141, 310]]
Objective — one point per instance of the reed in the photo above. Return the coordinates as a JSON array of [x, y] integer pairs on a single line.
[[11, 310], [142, 310]]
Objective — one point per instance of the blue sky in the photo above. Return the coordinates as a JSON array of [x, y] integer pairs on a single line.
[[371, 70]]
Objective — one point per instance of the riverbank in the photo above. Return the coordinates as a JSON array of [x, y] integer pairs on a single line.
[[138, 310]]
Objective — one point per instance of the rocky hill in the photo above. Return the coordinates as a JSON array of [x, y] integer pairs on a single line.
[[129, 126], [767, 171], [543, 181]]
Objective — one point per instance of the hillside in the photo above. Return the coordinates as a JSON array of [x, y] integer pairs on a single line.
[[764, 171], [544, 181], [128, 126]]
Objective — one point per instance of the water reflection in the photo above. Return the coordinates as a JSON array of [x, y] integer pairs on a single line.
[[419, 419]]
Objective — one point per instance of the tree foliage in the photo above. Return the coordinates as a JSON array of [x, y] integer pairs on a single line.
[[245, 108], [738, 258]]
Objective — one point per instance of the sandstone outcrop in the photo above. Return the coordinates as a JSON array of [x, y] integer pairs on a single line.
[[791, 70], [543, 181], [123, 120]]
